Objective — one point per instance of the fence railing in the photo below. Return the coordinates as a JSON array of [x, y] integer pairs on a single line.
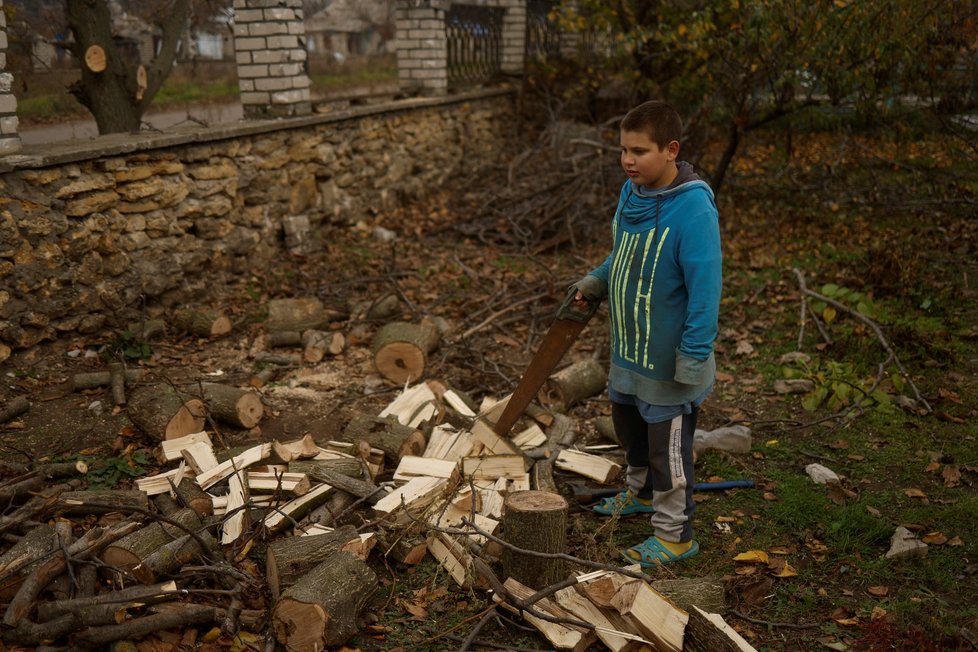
[[474, 43]]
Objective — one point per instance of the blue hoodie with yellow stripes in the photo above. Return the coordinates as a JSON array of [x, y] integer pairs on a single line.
[[663, 280]]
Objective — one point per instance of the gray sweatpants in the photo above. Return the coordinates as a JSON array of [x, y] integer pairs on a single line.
[[660, 467]]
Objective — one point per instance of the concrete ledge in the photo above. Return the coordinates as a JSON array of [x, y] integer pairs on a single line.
[[72, 151]]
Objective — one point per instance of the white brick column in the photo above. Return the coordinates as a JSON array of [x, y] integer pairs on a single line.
[[422, 46], [9, 140], [514, 36], [270, 50]]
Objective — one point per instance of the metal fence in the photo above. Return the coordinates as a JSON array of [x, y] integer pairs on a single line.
[[474, 44], [542, 34]]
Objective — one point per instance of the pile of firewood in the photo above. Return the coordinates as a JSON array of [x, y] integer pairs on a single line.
[[130, 563]]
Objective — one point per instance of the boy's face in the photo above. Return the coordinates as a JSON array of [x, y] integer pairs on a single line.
[[645, 163]]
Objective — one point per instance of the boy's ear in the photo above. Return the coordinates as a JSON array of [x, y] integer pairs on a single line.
[[673, 149]]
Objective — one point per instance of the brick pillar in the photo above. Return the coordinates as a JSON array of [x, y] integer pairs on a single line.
[[270, 50], [514, 36], [9, 140], [422, 46]]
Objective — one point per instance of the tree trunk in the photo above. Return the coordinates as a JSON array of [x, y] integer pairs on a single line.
[[537, 521], [322, 608], [112, 94], [287, 559]]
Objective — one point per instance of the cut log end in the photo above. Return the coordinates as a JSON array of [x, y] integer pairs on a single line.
[[300, 625], [400, 362], [187, 420]]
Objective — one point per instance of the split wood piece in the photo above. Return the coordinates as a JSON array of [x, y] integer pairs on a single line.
[[14, 408], [400, 350], [491, 467], [411, 466], [283, 338], [200, 457], [324, 471], [535, 521], [563, 637], [299, 315], [573, 384], [190, 494], [317, 344], [275, 482], [133, 549], [494, 444], [322, 609], [447, 443], [708, 632], [395, 439], [493, 497], [180, 616], [409, 549], [287, 559], [283, 517], [412, 406], [455, 559], [607, 630], [655, 616], [531, 437], [117, 382], [172, 448], [236, 511], [595, 467], [80, 502], [17, 563], [202, 323], [84, 548], [225, 469], [458, 403], [539, 414], [93, 379], [160, 412], [411, 499], [300, 449], [238, 407], [103, 609], [451, 517], [707, 593], [163, 483]]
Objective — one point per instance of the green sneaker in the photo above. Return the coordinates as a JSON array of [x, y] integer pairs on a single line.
[[623, 504]]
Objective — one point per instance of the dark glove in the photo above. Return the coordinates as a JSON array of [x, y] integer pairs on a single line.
[[592, 290]]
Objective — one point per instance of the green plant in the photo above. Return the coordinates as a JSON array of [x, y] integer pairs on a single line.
[[127, 345], [106, 473]]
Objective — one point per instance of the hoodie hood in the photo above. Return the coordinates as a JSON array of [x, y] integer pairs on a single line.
[[642, 203]]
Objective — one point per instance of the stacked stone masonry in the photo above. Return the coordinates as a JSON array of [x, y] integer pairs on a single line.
[[91, 245], [9, 140], [270, 48]]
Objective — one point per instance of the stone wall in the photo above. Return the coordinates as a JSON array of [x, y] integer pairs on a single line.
[[92, 239]]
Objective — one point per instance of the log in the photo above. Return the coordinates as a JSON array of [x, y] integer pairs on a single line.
[[326, 471], [316, 344], [535, 521], [323, 607], [117, 381], [238, 407], [19, 488], [298, 315], [283, 338], [609, 631], [595, 467], [78, 502], [93, 379], [18, 562], [191, 495], [202, 323], [182, 616], [163, 414], [170, 557], [707, 632], [561, 435], [296, 508], [287, 559], [14, 408], [147, 329], [102, 609], [400, 350], [133, 549], [573, 384], [387, 434]]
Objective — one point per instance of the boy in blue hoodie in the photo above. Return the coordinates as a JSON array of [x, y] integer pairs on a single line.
[[663, 281]]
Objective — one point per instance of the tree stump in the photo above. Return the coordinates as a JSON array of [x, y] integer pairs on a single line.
[[401, 350], [535, 521], [573, 384], [287, 559], [202, 323], [386, 434], [238, 407], [160, 412], [322, 608]]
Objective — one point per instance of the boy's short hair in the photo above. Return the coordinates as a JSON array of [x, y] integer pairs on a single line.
[[659, 120]]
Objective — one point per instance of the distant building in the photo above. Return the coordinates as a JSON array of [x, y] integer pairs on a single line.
[[350, 28]]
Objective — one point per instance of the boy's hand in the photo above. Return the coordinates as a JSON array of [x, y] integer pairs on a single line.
[[577, 307]]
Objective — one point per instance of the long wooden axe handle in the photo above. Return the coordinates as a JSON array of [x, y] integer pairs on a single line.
[[555, 343]]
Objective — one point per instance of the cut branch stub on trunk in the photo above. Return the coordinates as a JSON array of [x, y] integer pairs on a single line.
[[401, 349], [573, 384], [537, 521], [160, 412], [323, 607]]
